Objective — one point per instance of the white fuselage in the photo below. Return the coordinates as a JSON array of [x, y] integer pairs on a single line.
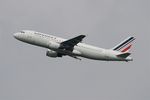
[[81, 49]]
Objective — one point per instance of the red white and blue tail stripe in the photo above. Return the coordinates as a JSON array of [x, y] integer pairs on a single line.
[[125, 45]]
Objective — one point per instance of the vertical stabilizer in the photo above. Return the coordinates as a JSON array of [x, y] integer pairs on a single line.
[[125, 45]]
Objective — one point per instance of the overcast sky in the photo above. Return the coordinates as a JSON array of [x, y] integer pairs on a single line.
[[27, 74]]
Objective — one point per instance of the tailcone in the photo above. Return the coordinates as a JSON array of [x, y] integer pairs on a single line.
[[129, 59]]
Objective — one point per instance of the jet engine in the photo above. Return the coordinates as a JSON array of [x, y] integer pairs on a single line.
[[51, 53]]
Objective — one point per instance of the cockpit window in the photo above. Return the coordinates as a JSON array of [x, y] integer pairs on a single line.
[[22, 32]]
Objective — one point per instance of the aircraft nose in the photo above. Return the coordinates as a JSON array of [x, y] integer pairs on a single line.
[[16, 35]]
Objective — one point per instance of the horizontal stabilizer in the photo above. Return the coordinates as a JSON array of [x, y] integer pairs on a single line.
[[124, 55]]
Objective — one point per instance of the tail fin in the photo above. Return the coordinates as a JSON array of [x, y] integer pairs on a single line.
[[125, 45]]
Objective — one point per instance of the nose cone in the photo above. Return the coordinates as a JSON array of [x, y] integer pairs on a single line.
[[16, 35]]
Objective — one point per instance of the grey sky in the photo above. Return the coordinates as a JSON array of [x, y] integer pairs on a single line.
[[27, 74]]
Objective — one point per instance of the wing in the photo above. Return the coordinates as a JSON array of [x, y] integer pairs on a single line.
[[69, 44]]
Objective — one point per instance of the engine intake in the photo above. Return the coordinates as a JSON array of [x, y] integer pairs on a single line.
[[51, 53]]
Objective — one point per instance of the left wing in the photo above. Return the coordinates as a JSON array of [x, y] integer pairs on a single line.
[[69, 44]]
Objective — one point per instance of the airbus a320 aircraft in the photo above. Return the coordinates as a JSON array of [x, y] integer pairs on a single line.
[[58, 47]]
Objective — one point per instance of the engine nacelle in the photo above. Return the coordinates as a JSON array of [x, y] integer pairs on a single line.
[[51, 53], [54, 45]]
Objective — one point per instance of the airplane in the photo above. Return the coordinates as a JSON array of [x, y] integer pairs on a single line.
[[59, 47]]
